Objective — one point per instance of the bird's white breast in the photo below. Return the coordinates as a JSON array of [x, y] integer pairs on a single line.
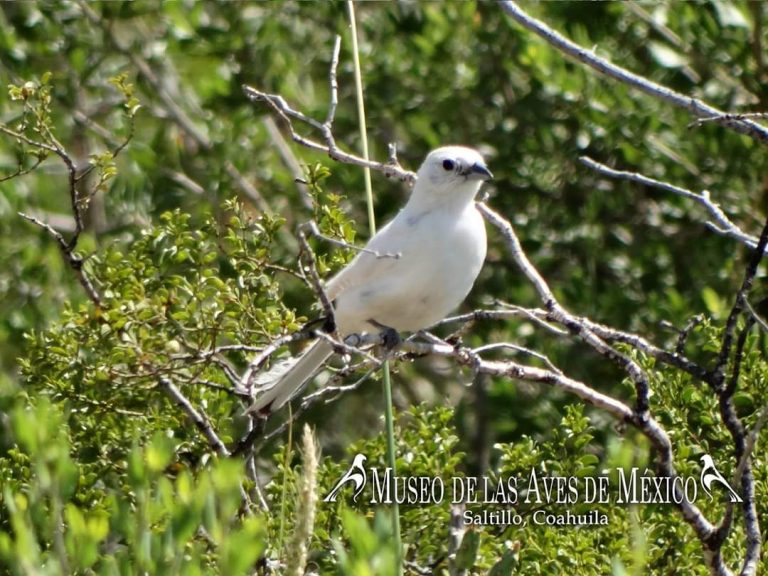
[[441, 253]]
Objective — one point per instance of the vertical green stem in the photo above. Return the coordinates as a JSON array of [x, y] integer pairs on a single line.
[[284, 489], [388, 412], [390, 424], [361, 117]]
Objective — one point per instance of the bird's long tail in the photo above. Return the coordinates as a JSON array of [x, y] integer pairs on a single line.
[[285, 379]]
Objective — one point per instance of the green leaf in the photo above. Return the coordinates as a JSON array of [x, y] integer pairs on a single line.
[[729, 14], [712, 301], [666, 56], [466, 555], [505, 565]]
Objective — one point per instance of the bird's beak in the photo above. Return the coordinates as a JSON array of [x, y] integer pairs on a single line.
[[479, 171]]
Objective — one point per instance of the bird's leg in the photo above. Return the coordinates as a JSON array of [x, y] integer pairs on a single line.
[[325, 325], [329, 324], [321, 324], [390, 339]]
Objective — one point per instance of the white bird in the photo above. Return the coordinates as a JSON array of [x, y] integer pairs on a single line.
[[709, 474], [440, 243], [356, 474]]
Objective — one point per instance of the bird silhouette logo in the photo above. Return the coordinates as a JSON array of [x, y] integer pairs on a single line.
[[710, 475], [355, 475]]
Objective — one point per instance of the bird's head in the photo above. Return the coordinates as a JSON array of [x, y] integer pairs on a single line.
[[452, 167], [706, 459]]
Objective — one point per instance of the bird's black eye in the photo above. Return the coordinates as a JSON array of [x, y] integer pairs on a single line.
[[448, 164]]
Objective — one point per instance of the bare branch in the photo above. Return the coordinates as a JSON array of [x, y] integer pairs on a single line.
[[557, 313], [312, 228], [516, 348], [74, 261], [285, 113], [518, 371], [742, 473], [728, 410], [492, 314], [202, 423], [751, 444], [695, 106], [676, 359], [741, 297], [198, 418], [724, 225], [314, 277], [729, 116], [334, 84]]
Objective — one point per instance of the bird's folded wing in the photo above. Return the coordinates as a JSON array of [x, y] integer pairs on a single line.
[[367, 267]]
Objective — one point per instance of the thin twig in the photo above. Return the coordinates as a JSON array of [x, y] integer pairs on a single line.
[[695, 106], [312, 228], [724, 225], [285, 113], [75, 262], [730, 416], [314, 277], [557, 313], [517, 348], [738, 305], [729, 116], [757, 317], [198, 418], [676, 359], [486, 314], [258, 361], [327, 392], [21, 171]]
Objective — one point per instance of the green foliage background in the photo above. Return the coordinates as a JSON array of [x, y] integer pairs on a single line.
[[102, 473]]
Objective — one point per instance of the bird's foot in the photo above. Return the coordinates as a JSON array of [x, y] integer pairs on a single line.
[[390, 338]]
